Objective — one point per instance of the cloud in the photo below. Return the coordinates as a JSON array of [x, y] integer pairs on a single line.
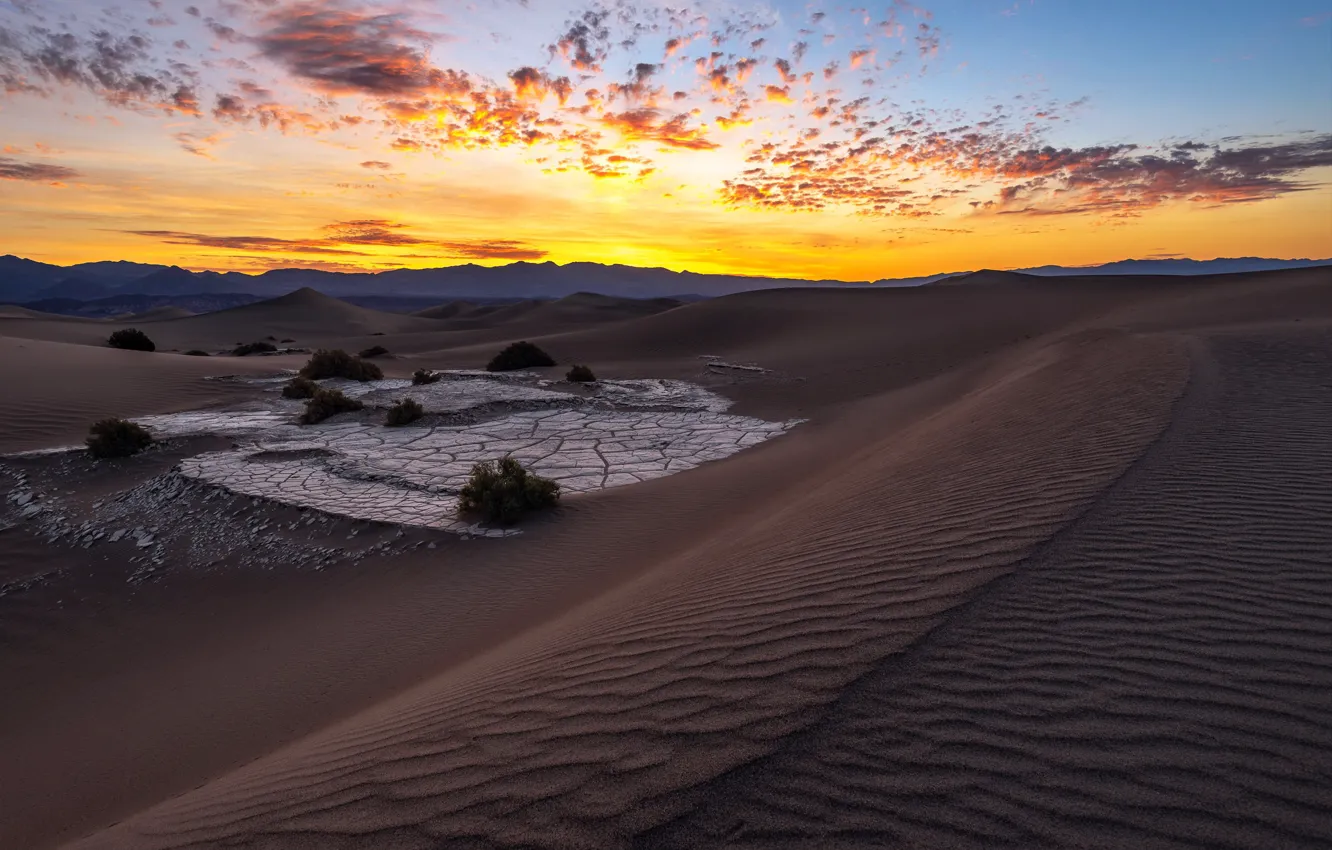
[[245, 243], [347, 238], [198, 144], [651, 125], [377, 163], [585, 43], [496, 249], [34, 172], [119, 68], [531, 84], [1120, 181], [376, 231], [341, 51]]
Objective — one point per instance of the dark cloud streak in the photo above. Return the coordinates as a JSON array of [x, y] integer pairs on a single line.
[[34, 172]]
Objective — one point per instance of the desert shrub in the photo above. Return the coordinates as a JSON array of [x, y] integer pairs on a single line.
[[131, 339], [502, 491], [339, 364], [425, 376], [520, 355], [248, 348], [299, 387], [325, 403], [581, 375], [287, 340], [117, 438], [374, 351], [404, 412], [198, 352]]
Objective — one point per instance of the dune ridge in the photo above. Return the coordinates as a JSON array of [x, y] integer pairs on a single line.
[[612, 720]]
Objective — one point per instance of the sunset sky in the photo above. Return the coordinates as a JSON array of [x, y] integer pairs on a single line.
[[777, 138]]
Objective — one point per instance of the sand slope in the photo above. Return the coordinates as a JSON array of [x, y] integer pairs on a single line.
[[56, 390], [1157, 675], [1045, 568], [607, 721]]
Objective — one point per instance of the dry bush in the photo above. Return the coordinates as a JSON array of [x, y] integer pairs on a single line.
[[325, 403], [253, 348], [117, 438], [425, 376], [299, 387], [404, 412], [520, 355], [581, 375], [339, 364], [131, 339], [504, 491]]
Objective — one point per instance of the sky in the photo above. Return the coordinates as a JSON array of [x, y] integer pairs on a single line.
[[788, 139]]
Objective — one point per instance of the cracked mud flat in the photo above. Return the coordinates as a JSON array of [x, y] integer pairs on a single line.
[[352, 465]]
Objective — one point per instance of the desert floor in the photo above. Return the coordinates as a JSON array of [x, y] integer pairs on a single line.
[[1044, 563]]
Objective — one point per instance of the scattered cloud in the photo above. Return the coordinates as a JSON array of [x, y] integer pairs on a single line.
[[34, 172], [342, 51], [653, 125], [199, 144], [350, 239], [495, 249], [119, 68], [1121, 181]]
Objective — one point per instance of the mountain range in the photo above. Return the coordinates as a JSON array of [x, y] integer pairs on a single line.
[[140, 286]]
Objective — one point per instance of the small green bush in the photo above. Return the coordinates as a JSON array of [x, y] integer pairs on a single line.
[[404, 412], [197, 352], [325, 403], [503, 491], [117, 438], [581, 375], [375, 351], [299, 387], [339, 364], [249, 348], [520, 355], [425, 376], [131, 339]]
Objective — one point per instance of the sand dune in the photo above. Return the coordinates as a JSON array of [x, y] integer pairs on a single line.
[[583, 308], [1045, 568], [711, 658], [56, 390], [14, 311], [1156, 675], [306, 316], [158, 314]]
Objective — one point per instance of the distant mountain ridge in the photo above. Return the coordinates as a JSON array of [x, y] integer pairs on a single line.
[[24, 281]]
